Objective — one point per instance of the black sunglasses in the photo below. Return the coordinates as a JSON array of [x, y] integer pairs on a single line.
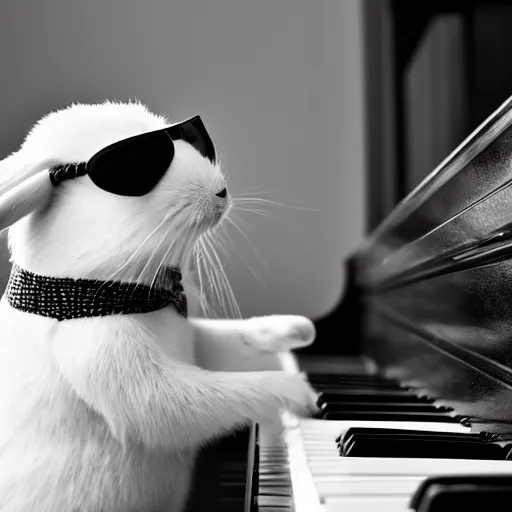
[[134, 166]]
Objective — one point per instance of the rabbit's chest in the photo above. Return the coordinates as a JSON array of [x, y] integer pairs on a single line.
[[173, 333]]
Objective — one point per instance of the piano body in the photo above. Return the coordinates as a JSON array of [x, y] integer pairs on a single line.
[[414, 365]]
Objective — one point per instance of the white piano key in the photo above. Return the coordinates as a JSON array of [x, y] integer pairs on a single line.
[[310, 428], [272, 490], [275, 501], [279, 480], [273, 467], [367, 504], [322, 452], [343, 478], [306, 498], [370, 466], [368, 486]]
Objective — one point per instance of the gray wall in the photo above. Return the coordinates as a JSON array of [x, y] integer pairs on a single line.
[[279, 84]]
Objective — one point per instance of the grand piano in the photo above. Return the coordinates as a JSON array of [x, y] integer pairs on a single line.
[[414, 365]]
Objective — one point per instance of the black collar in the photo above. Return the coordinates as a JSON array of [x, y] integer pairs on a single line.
[[66, 298]]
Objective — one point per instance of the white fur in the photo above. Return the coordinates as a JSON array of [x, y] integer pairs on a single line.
[[106, 414]]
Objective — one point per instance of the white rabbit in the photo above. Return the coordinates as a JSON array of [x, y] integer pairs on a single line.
[[106, 413]]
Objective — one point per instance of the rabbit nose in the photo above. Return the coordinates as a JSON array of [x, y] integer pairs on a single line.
[[222, 193]]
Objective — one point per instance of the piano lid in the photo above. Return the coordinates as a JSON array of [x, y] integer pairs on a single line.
[[463, 204], [436, 278]]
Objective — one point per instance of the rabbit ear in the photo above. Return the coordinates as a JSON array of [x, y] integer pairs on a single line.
[[29, 188]]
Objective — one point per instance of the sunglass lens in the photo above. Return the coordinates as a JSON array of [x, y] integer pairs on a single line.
[[134, 166]]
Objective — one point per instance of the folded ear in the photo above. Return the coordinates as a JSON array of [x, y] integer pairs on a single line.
[[23, 188]]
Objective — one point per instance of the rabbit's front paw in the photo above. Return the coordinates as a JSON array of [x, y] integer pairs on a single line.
[[279, 333], [290, 392]]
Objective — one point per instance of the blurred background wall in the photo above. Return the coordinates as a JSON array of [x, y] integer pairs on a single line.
[[279, 85]]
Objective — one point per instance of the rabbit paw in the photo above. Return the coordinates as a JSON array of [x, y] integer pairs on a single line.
[[288, 392], [279, 333]]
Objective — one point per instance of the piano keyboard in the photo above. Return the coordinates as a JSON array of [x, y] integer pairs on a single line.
[[274, 491], [372, 448]]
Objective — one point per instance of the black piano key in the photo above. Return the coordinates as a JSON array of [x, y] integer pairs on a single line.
[[354, 385], [341, 381], [360, 395], [465, 492], [421, 448], [348, 438], [467, 436], [373, 398], [382, 442], [491, 425], [380, 406], [348, 377], [387, 416]]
